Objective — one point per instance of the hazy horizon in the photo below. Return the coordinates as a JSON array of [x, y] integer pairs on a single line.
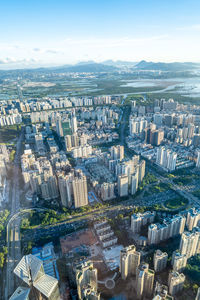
[[53, 33]]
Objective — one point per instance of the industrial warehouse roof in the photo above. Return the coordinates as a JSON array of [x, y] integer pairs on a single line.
[[21, 293]]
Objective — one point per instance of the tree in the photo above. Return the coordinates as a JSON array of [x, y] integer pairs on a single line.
[[1, 259]]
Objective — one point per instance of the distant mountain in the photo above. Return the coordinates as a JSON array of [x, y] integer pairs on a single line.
[[91, 67], [160, 66], [119, 63]]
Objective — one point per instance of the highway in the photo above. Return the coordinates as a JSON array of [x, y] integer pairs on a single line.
[[13, 226]]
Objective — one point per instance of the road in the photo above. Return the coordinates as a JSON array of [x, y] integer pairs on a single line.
[[13, 226]]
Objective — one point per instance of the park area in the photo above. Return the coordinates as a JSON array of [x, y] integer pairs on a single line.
[[176, 203]]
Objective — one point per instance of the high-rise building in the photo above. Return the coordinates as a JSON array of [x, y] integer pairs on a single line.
[[31, 271], [160, 260], [123, 185], [68, 142], [129, 261], [161, 292], [198, 160], [74, 126], [178, 261], [79, 185], [59, 128], [170, 227], [117, 152], [141, 170], [86, 275], [144, 280], [134, 182], [107, 191], [138, 220], [190, 243], [175, 282], [193, 218], [166, 158], [65, 189]]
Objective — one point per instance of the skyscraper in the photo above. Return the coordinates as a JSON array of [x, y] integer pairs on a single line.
[[175, 282], [122, 185], [134, 182], [160, 260], [178, 261], [31, 271], [190, 243], [86, 276], [59, 128], [117, 152], [144, 280], [79, 184], [65, 189], [129, 261], [73, 122]]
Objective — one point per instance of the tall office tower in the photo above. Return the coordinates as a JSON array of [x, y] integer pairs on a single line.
[[185, 133], [161, 292], [179, 261], [65, 189], [166, 158], [59, 128], [122, 185], [191, 129], [175, 282], [144, 281], [40, 285], [158, 119], [141, 169], [39, 143], [171, 166], [189, 244], [134, 182], [83, 140], [169, 120], [117, 152], [198, 160], [160, 155], [158, 137], [107, 191], [198, 294], [154, 234], [79, 185], [53, 187], [75, 140], [68, 142], [193, 218], [73, 122], [138, 220], [86, 275], [160, 260], [129, 261]]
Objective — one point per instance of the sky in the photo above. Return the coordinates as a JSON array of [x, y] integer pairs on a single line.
[[56, 32]]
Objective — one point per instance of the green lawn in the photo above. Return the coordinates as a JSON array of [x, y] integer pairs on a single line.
[[176, 203]]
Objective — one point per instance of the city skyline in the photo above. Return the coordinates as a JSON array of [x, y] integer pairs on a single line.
[[50, 34]]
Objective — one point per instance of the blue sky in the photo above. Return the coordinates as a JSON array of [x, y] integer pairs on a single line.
[[57, 32]]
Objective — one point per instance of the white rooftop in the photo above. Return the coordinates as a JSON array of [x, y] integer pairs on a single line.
[[45, 284], [28, 268]]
